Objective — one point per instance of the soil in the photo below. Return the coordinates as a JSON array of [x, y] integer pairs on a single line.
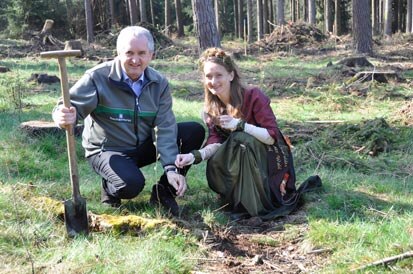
[[254, 246]]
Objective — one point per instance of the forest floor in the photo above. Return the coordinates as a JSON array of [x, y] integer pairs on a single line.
[[253, 245]]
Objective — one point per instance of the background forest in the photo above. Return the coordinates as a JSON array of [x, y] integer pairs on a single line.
[[339, 74]]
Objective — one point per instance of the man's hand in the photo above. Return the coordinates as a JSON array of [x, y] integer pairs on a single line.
[[184, 160], [178, 181], [64, 116]]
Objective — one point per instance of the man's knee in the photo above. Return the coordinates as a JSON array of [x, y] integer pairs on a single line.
[[129, 187]]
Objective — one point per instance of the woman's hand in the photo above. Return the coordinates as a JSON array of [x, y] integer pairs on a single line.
[[184, 160], [228, 122], [282, 187]]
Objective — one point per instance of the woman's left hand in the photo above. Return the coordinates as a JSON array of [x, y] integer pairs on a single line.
[[184, 160], [283, 186]]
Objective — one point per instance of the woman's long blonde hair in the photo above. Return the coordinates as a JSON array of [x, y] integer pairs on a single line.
[[213, 105]]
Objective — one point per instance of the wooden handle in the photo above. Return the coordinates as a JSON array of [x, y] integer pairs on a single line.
[[60, 53], [70, 137]]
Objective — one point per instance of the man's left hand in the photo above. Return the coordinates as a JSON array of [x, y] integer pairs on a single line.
[[178, 181]]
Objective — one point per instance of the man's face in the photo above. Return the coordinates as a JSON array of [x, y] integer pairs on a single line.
[[135, 56]]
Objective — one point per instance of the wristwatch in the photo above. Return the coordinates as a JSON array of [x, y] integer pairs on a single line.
[[172, 168]]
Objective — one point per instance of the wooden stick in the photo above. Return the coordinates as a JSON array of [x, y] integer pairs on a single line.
[[386, 261]]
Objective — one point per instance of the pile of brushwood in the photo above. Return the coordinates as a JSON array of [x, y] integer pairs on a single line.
[[291, 35]]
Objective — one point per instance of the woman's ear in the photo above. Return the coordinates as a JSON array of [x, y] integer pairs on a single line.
[[232, 76]]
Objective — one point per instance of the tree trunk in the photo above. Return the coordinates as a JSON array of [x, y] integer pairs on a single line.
[[179, 19], [292, 11], [240, 19], [133, 17], [259, 21], [235, 6], [311, 12], [375, 16], [111, 13], [280, 12], [271, 15], [89, 22], [168, 20], [152, 12], [249, 21], [142, 10], [362, 37], [328, 15], [337, 17], [217, 16], [388, 17], [204, 22], [265, 17], [409, 17]]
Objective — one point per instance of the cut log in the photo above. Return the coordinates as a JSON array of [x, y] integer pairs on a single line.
[[44, 78], [42, 128], [4, 69]]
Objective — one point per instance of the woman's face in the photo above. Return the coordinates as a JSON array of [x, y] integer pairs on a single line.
[[217, 79]]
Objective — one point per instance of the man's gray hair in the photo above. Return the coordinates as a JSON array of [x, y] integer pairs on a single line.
[[135, 32]]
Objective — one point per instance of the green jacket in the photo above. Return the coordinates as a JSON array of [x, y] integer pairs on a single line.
[[116, 119]]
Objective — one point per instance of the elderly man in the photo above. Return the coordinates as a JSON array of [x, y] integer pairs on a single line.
[[127, 110]]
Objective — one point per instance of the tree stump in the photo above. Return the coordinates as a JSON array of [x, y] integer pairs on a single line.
[[42, 128], [4, 69], [355, 61], [46, 34], [73, 45]]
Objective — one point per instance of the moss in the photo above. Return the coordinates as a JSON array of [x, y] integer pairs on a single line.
[[126, 224], [49, 204]]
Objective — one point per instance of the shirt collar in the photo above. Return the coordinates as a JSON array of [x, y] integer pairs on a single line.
[[129, 81]]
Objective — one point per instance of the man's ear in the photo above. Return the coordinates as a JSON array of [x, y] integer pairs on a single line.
[[153, 56]]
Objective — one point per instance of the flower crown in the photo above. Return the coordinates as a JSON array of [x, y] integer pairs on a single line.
[[218, 56]]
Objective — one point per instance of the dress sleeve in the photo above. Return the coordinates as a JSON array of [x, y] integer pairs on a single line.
[[257, 111]]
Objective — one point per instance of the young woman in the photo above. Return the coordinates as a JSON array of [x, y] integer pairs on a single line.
[[249, 161]]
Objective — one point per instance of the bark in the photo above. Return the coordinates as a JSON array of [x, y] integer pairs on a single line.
[[111, 13], [362, 34], [133, 16], [388, 17], [217, 16], [259, 21], [375, 16], [280, 12], [89, 22], [204, 22], [168, 20], [240, 19], [249, 21], [179, 18], [328, 16], [265, 17], [142, 10], [311, 12], [337, 17], [409, 17], [152, 12], [235, 4]]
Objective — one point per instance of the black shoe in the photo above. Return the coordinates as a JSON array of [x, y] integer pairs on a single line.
[[161, 194], [107, 199]]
